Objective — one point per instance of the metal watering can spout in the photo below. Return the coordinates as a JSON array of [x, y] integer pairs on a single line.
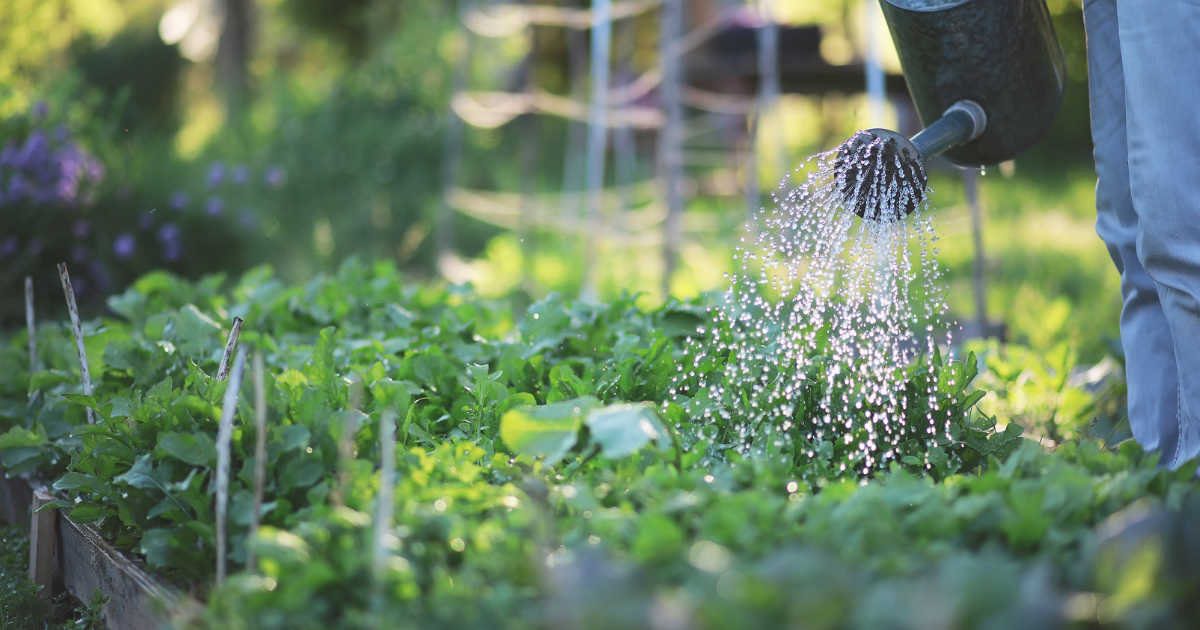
[[987, 78]]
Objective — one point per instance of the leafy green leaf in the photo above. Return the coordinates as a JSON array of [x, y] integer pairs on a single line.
[[549, 430], [197, 449], [196, 333], [290, 437], [19, 437], [621, 430], [141, 475], [76, 481], [47, 379], [301, 472]]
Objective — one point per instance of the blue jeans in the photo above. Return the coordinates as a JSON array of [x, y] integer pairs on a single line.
[[1144, 74]]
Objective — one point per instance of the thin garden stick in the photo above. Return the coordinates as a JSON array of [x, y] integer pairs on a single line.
[[260, 455], [351, 418], [224, 435], [29, 325], [73, 309], [385, 502], [230, 345]]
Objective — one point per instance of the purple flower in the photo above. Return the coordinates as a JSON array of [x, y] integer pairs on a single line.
[[248, 219], [81, 228], [169, 233], [216, 173], [94, 168], [146, 220], [17, 187], [8, 157], [65, 190], [62, 133], [275, 176], [213, 206], [97, 273], [79, 254], [34, 152], [8, 247], [39, 110], [240, 174], [172, 251], [78, 285], [124, 246], [179, 200], [36, 245]]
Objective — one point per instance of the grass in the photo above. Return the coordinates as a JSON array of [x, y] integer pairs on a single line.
[[22, 608]]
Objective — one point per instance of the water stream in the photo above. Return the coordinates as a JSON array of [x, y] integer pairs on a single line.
[[827, 312]]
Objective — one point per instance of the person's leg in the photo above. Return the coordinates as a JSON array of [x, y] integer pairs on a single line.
[[1160, 56], [1149, 354]]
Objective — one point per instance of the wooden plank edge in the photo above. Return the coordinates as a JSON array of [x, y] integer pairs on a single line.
[[43, 539], [84, 562]]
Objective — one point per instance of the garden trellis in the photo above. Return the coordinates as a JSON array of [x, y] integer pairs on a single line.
[[627, 214]]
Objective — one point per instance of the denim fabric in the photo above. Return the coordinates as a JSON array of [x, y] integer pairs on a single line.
[[1144, 75]]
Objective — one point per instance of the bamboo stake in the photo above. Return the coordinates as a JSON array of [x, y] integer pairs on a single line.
[[73, 309], [29, 325], [385, 501], [235, 331], [260, 455], [224, 436]]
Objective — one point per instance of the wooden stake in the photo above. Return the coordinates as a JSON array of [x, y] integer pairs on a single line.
[[42, 536], [346, 443], [260, 455], [73, 309], [230, 345], [29, 325], [224, 436], [385, 500]]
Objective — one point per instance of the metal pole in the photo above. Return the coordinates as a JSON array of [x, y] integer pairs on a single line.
[[528, 162], [751, 184], [971, 190], [623, 144], [876, 95], [576, 132], [768, 87], [670, 141], [452, 141], [597, 142]]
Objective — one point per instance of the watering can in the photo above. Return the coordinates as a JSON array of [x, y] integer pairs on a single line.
[[987, 77]]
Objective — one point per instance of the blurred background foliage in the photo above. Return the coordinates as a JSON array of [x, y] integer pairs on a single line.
[[328, 142]]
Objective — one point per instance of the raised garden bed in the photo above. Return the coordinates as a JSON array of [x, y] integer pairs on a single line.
[[67, 556]]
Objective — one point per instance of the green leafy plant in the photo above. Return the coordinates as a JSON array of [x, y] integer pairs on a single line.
[[554, 450]]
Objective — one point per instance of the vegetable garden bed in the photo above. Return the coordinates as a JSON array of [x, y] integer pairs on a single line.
[[83, 563], [554, 471]]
